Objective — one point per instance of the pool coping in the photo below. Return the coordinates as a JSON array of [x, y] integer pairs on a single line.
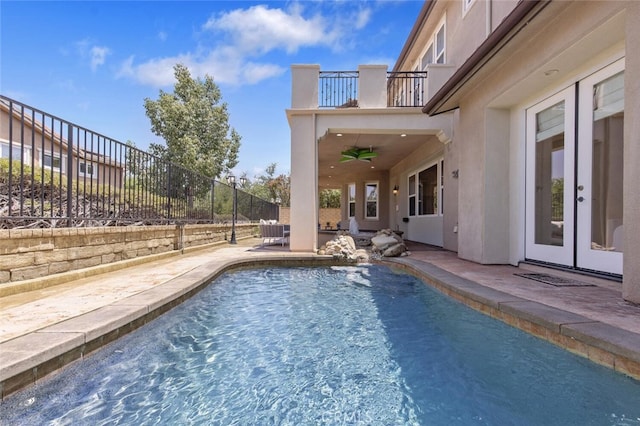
[[27, 359]]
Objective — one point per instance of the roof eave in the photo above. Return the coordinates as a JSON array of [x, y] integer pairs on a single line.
[[444, 99]]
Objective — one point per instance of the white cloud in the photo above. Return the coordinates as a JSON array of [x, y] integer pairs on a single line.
[[260, 29], [156, 72], [242, 37], [362, 18], [98, 56]]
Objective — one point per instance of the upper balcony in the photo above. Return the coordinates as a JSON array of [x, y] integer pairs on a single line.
[[371, 86]]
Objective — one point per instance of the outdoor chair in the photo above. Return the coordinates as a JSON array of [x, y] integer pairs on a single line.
[[274, 232]]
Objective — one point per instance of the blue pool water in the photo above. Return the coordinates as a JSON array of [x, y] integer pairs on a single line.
[[341, 345]]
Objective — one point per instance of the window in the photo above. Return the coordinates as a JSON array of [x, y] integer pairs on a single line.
[[16, 152], [466, 5], [435, 53], [426, 190], [352, 200], [428, 57], [53, 162], [371, 200], [412, 195], [439, 59], [86, 169]]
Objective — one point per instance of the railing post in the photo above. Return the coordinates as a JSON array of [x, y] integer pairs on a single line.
[[69, 175], [168, 191], [213, 186]]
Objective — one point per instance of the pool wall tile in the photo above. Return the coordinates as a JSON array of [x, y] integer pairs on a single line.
[[29, 351]]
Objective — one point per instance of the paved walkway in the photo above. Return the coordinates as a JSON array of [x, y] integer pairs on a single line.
[[42, 330]]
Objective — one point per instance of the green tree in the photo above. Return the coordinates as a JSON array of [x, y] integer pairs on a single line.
[[195, 126], [270, 187], [330, 198]]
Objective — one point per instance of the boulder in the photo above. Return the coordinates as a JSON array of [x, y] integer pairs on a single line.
[[382, 241], [395, 250], [344, 247], [388, 244]]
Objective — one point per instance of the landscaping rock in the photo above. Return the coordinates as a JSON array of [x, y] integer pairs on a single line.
[[344, 247], [388, 244]]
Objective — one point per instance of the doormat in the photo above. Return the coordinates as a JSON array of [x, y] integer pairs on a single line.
[[555, 280]]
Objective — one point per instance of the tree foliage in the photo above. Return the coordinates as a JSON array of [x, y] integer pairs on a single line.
[[270, 187], [195, 126], [330, 198]]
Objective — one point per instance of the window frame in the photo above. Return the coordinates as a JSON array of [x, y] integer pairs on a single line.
[[467, 5], [53, 156], [431, 55], [414, 193], [376, 201], [351, 200], [94, 169], [24, 153]]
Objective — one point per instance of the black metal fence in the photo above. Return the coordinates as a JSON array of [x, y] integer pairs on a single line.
[[339, 89], [406, 88], [54, 173]]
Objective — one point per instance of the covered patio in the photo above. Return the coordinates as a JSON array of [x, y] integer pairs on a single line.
[[319, 135]]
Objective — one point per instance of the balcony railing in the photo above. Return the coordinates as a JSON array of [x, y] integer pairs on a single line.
[[406, 88], [339, 89], [54, 173]]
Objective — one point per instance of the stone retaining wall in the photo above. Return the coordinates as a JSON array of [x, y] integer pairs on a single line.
[[35, 253]]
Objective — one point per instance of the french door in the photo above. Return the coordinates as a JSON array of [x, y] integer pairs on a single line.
[[574, 187]]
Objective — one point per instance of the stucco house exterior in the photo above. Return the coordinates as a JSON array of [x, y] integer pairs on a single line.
[[42, 142], [514, 146]]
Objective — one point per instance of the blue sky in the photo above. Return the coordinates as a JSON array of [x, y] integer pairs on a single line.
[[93, 63]]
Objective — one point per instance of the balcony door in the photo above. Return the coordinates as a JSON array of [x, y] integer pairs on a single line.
[[574, 188]]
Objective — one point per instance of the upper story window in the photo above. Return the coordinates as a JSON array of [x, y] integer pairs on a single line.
[[439, 58], [436, 47], [466, 5], [371, 200], [352, 200]]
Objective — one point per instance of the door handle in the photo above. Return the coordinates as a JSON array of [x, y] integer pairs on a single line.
[[581, 199]]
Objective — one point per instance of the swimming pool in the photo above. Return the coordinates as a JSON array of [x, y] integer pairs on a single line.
[[340, 345]]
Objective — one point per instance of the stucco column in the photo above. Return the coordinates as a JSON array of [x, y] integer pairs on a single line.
[[372, 86], [631, 214], [304, 183], [304, 86]]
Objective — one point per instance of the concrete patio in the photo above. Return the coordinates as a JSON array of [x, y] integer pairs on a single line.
[[43, 330]]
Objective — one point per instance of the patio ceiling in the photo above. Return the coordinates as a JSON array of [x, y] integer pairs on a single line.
[[391, 147]]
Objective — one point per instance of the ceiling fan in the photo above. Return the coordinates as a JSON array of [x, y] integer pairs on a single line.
[[362, 154]]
